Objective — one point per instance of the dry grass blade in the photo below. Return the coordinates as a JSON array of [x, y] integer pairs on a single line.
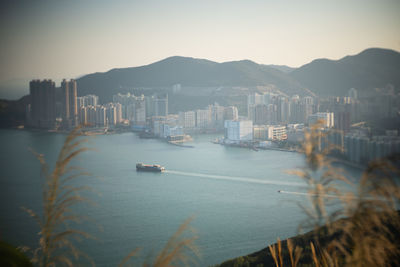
[[55, 246], [314, 255], [128, 257], [179, 249], [273, 254], [280, 252], [368, 236]]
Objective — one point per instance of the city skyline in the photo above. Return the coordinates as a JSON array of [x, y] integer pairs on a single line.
[[69, 39]]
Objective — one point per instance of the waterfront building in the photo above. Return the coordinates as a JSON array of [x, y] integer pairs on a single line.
[[42, 112], [260, 132], [169, 130], [100, 116], [203, 118], [217, 115], [187, 119], [276, 132], [361, 149], [111, 114], [83, 115], [69, 103], [238, 130]]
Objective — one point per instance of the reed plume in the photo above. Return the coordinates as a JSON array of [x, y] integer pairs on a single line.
[[365, 227], [180, 249], [56, 246]]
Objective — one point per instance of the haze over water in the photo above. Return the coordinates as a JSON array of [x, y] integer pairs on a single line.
[[230, 192]]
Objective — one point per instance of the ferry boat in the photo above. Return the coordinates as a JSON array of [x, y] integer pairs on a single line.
[[149, 168]]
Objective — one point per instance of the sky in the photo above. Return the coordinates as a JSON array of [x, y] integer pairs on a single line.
[[56, 39]]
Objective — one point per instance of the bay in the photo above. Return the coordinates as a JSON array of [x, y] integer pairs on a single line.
[[230, 193]]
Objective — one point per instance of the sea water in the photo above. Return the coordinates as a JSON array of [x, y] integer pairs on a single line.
[[231, 195]]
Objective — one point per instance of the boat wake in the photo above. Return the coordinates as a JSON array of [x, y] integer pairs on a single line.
[[308, 194], [235, 179]]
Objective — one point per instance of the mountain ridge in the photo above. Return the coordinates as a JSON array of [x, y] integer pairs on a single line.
[[365, 71]]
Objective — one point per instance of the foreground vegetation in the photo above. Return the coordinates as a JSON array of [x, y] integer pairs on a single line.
[[360, 229]]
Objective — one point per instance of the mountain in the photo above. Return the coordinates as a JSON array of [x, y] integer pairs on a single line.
[[283, 68], [370, 69], [187, 72]]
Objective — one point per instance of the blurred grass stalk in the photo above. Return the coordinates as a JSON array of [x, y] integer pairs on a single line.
[[56, 237], [56, 246], [180, 249], [365, 229]]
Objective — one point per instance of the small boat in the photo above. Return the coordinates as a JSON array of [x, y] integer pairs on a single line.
[[279, 191], [149, 168]]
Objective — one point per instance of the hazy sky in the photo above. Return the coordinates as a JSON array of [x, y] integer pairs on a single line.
[[54, 39]]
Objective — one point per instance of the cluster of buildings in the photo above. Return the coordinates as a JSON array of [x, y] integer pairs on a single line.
[[54, 107], [273, 117], [209, 119], [360, 147], [50, 106]]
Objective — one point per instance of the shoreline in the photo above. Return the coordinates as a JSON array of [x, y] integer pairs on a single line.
[[101, 131]]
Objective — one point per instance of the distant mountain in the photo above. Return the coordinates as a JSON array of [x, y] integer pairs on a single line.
[[187, 72], [370, 69], [283, 68]]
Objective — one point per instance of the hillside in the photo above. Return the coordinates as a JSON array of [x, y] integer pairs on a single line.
[[187, 72], [370, 69]]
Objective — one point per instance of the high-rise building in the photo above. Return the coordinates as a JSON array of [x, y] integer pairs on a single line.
[[140, 110], [125, 101], [69, 103], [161, 105], [239, 130], [83, 115], [101, 116], [326, 118], [43, 104], [217, 115], [283, 110], [231, 113], [203, 118], [261, 114]]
